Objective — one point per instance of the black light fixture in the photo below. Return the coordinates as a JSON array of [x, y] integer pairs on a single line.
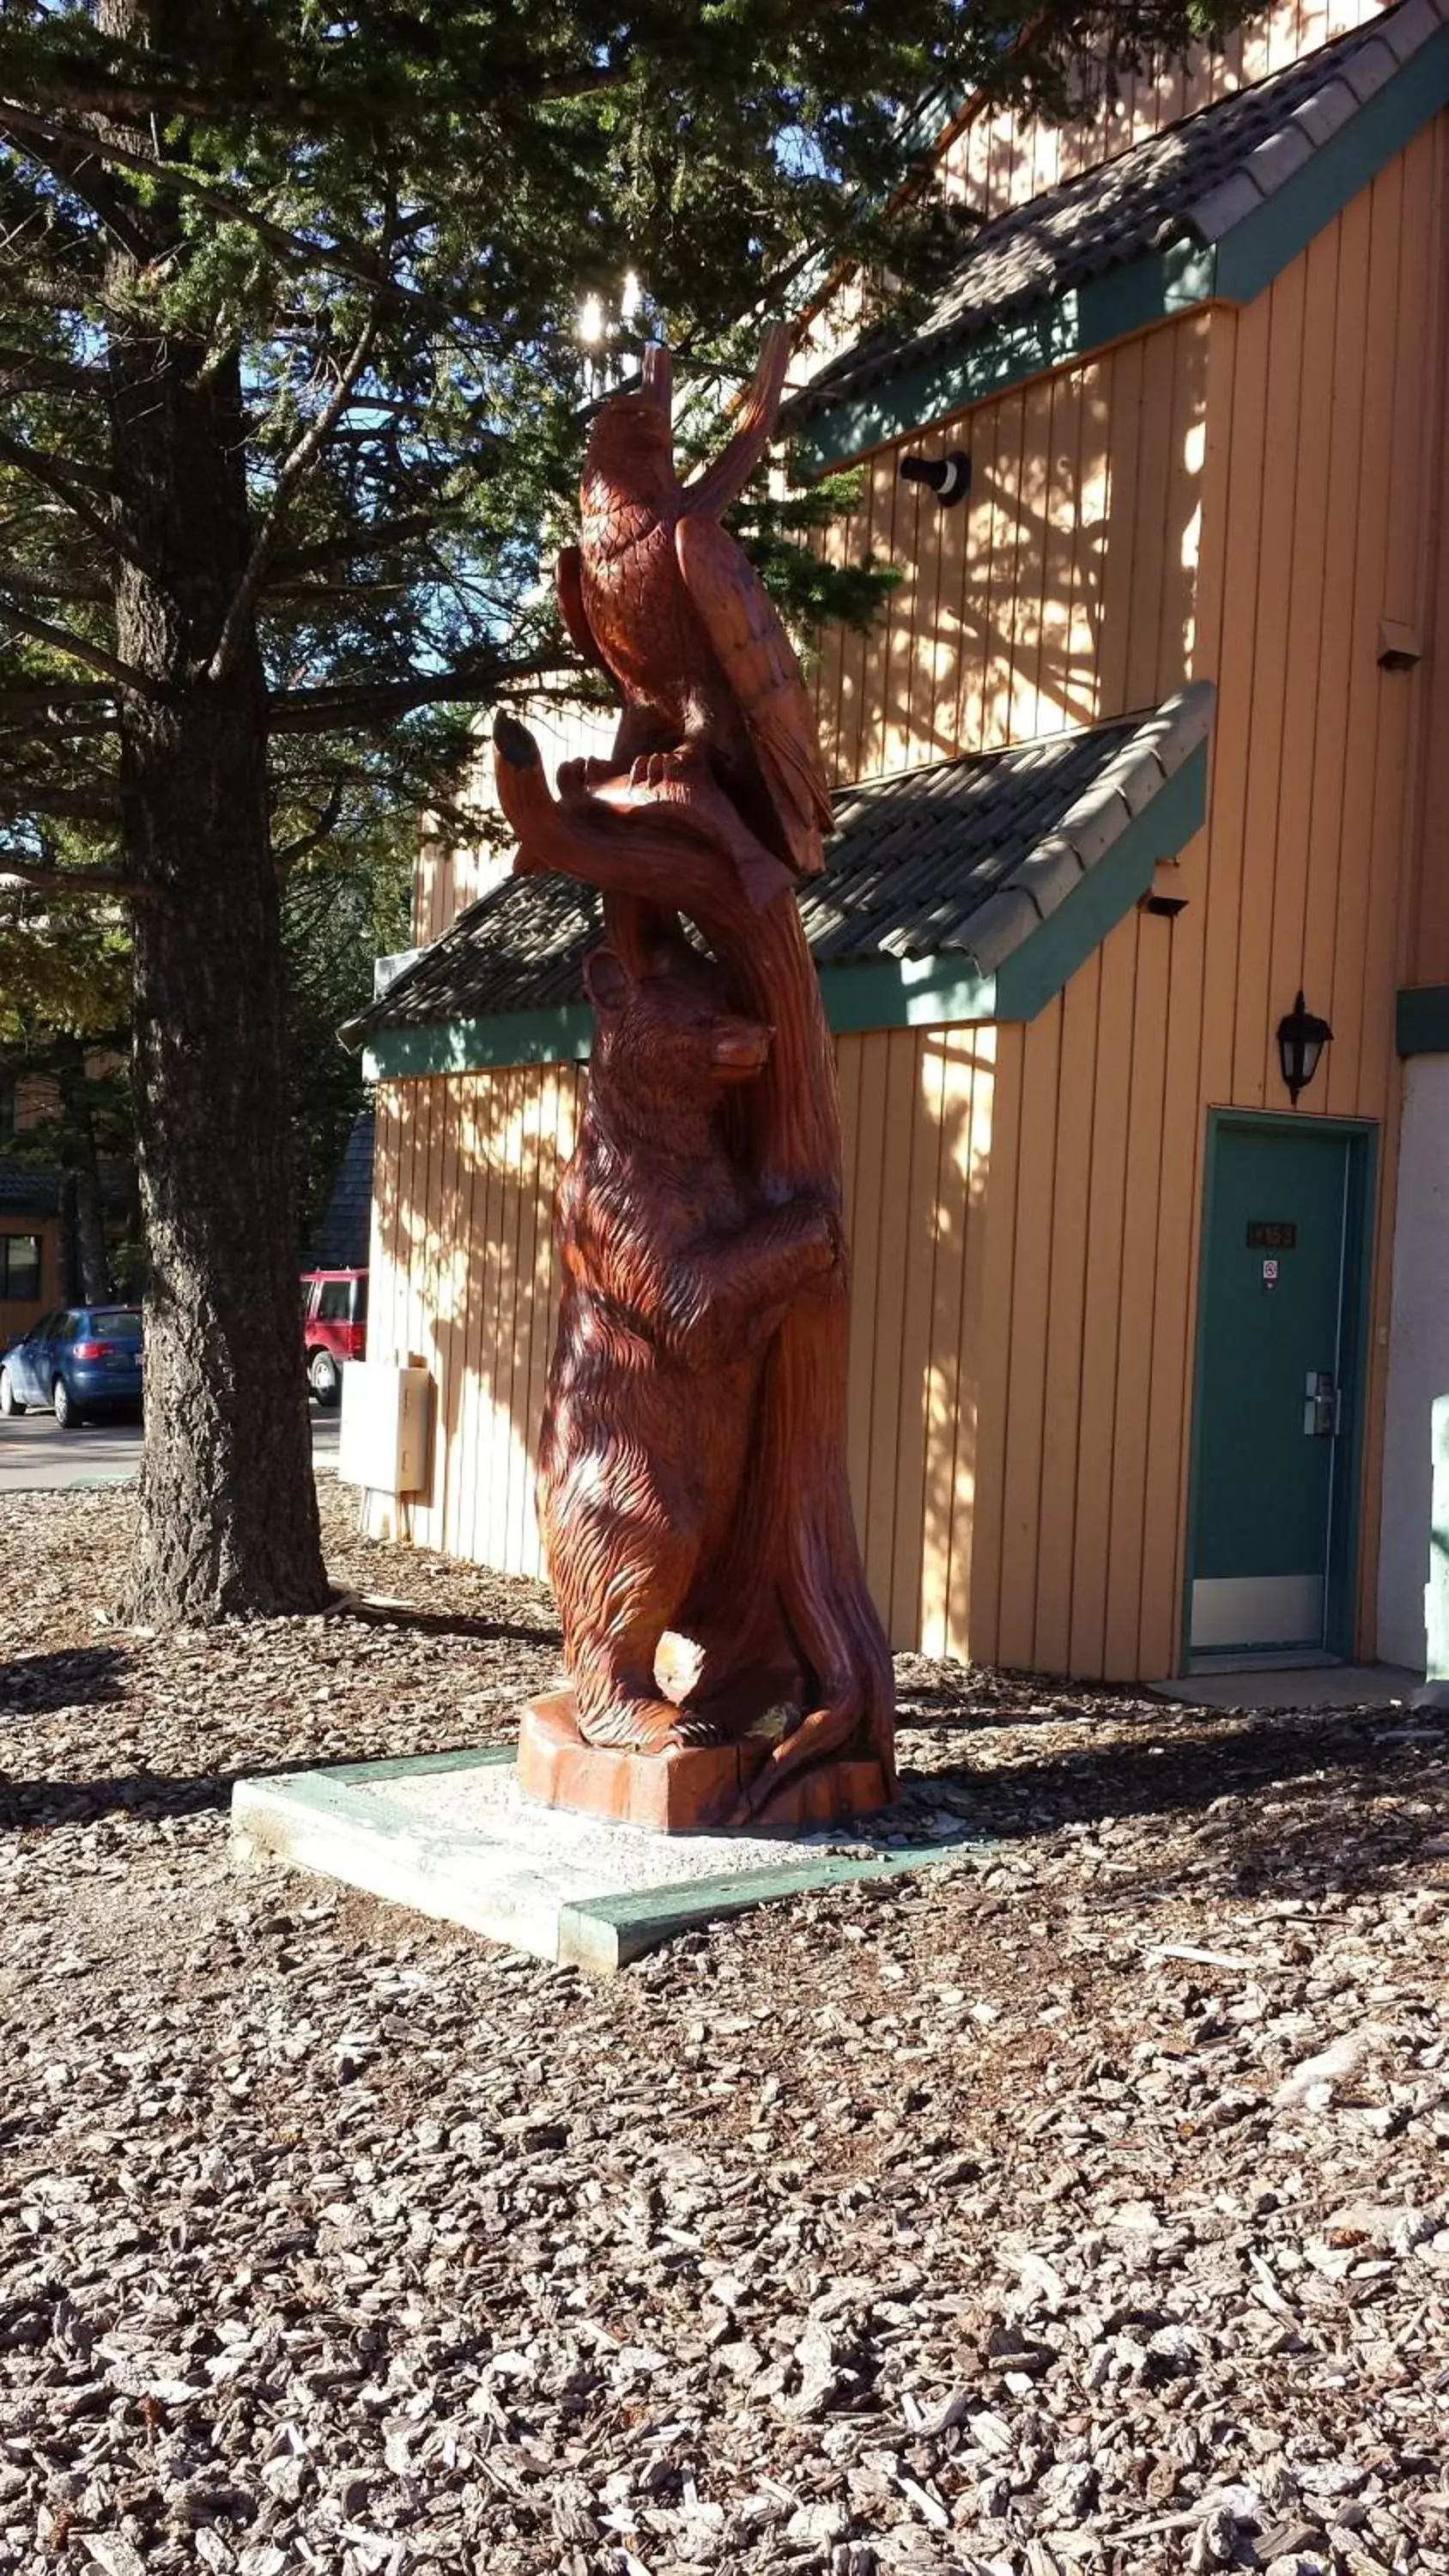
[[949, 477], [1302, 1037]]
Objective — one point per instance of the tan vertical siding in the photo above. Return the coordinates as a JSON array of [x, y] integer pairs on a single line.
[[462, 1277], [1426, 958], [1319, 489], [1059, 593], [1241, 495], [469, 1165], [450, 874], [995, 161]]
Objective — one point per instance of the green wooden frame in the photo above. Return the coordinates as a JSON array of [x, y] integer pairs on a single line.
[[1149, 289], [943, 991], [1362, 1138], [1423, 1019]]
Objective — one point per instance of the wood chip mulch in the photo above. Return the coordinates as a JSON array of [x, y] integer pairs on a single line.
[[1083, 2205]]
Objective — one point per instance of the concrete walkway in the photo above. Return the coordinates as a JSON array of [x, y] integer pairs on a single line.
[[1313, 1686], [37, 1457]]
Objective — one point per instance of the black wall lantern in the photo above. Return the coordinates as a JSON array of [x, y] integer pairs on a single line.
[[1302, 1038], [949, 477]]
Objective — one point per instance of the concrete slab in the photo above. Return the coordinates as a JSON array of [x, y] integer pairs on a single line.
[[1297, 1686], [451, 1835]]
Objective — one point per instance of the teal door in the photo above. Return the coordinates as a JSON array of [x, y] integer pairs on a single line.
[[1271, 1553]]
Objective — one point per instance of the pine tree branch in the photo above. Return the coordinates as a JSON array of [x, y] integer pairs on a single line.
[[321, 830], [77, 648], [80, 171], [137, 101], [346, 702], [296, 594], [60, 479], [309, 446], [29, 371], [341, 549], [77, 881], [301, 256], [58, 804], [80, 706], [51, 585]]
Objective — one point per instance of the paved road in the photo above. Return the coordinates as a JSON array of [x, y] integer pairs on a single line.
[[36, 1457]]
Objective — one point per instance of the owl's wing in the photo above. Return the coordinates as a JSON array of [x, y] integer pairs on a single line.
[[569, 578], [758, 660]]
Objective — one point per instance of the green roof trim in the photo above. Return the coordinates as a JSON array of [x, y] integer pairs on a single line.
[[557, 1036], [945, 991], [1423, 1019], [906, 993], [1035, 972], [1145, 290], [1266, 241], [1086, 317]]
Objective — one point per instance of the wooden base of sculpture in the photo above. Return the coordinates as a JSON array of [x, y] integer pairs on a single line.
[[688, 1789]]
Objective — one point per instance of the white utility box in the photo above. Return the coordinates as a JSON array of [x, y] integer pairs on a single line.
[[385, 1419]]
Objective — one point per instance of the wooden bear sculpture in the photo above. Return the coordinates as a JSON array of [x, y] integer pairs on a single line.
[[677, 1276]]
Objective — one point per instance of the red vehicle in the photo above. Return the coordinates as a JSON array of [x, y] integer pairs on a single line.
[[334, 1322]]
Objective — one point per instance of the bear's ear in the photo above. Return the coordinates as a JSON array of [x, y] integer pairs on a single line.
[[607, 979]]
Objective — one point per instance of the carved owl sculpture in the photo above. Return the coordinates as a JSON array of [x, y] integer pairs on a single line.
[[665, 600]]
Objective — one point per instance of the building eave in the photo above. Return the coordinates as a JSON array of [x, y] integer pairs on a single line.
[[1032, 936], [1261, 234]]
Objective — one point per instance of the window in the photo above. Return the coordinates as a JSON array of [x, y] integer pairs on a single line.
[[359, 1299], [19, 1265], [334, 1304], [124, 1322]]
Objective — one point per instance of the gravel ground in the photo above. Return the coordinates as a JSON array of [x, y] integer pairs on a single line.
[[1085, 2205]]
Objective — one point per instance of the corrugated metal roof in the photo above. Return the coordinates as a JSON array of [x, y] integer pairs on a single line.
[[1196, 180], [964, 857]]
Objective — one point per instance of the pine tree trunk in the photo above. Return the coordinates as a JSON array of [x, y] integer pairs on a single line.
[[92, 1261], [228, 1503]]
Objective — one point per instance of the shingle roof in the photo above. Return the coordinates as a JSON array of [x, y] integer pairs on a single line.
[[1196, 180], [967, 857], [28, 1190], [341, 1241]]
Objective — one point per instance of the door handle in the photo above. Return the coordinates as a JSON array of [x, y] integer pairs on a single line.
[[1322, 1405]]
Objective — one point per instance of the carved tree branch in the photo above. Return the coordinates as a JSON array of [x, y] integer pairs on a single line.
[[718, 485]]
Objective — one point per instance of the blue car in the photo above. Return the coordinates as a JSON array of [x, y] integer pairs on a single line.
[[76, 1361]]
